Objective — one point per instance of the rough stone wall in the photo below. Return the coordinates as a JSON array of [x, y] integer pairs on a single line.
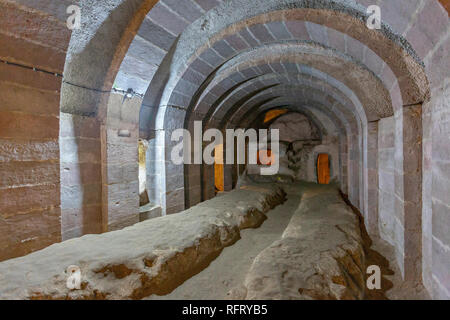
[[430, 36], [120, 176], [440, 196], [42, 42], [153, 175], [386, 202], [354, 165], [427, 189], [173, 179], [371, 179], [29, 128], [440, 155], [81, 179], [99, 169]]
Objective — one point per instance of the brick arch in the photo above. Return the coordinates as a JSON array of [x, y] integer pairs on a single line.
[[205, 56], [156, 29], [363, 153], [333, 6], [195, 183], [354, 143], [280, 52], [164, 95], [340, 123], [229, 116], [201, 61], [284, 92], [201, 113], [167, 122], [267, 81], [185, 88], [295, 100], [224, 89], [418, 25], [346, 124], [280, 79]]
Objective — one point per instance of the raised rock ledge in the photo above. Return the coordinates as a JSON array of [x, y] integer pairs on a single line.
[[319, 256], [151, 257]]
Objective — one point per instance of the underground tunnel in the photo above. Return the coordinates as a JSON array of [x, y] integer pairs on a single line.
[[224, 149]]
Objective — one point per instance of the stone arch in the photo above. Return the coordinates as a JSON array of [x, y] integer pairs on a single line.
[[356, 11]]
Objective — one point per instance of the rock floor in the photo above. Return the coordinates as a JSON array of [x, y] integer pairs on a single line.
[[228, 271], [400, 289], [224, 248], [224, 277]]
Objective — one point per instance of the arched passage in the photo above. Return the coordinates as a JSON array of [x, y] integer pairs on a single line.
[[141, 69]]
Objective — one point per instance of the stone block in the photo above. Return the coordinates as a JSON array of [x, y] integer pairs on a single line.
[[166, 19], [37, 196], [223, 48], [297, 29], [236, 42], [25, 233], [336, 39], [211, 57], [28, 100], [317, 33], [80, 150], [441, 187], [175, 197], [355, 48], [441, 261], [431, 24], [156, 35], [39, 28], [186, 9], [260, 32], [78, 196], [78, 126], [118, 192], [21, 125], [76, 222], [278, 30], [248, 37], [26, 150], [207, 4], [149, 212], [29, 78], [122, 153], [27, 173]]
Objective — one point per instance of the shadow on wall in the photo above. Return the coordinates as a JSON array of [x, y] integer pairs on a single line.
[[81, 188], [84, 99]]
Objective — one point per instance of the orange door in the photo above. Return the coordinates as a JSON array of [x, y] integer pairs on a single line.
[[323, 169], [218, 167]]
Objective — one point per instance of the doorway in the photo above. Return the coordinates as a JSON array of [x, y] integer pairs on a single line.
[[218, 168], [323, 169]]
